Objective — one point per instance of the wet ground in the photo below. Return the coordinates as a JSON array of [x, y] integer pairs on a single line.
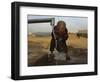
[[77, 56]]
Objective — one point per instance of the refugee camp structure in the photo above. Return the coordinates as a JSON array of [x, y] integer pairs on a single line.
[[43, 20], [82, 33]]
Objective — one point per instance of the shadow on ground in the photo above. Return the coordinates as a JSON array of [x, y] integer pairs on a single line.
[[77, 56]]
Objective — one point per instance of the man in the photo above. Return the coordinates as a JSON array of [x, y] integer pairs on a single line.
[[59, 37]]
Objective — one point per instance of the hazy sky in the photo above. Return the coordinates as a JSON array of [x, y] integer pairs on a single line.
[[73, 24]]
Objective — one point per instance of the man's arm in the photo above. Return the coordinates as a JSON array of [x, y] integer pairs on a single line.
[[65, 34], [52, 43]]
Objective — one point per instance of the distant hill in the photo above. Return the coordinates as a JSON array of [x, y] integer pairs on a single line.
[[40, 34], [82, 31]]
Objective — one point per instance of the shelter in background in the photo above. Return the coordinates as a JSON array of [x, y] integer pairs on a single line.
[[83, 33]]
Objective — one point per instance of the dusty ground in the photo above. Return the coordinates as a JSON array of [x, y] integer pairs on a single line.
[[38, 48]]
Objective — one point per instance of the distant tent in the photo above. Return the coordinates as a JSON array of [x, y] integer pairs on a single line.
[[82, 33], [31, 34]]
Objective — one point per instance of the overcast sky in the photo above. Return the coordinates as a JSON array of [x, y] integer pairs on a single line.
[[73, 24]]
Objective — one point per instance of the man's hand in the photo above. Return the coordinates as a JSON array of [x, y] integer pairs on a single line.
[[51, 57]]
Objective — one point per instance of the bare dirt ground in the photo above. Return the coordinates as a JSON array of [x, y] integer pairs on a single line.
[[38, 48]]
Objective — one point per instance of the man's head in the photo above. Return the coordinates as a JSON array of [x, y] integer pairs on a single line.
[[61, 25]]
